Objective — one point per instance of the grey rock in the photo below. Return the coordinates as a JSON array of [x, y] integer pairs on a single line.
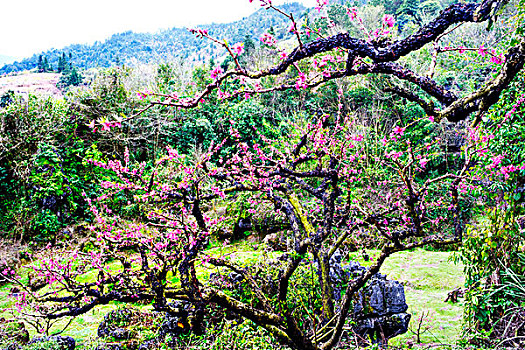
[[65, 343], [380, 329], [121, 333], [379, 298], [109, 346], [113, 321], [380, 310], [176, 321]]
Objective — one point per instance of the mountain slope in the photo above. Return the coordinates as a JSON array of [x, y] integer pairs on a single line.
[[130, 47], [6, 59]]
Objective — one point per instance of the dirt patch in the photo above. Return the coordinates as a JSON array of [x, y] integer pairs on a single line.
[[31, 83]]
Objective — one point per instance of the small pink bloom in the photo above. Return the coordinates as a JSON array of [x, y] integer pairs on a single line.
[[301, 82], [215, 73], [238, 48], [398, 130], [321, 4], [268, 39], [482, 50], [389, 20], [352, 13], [497, 59]]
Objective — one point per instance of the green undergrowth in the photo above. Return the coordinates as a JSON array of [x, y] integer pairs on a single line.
[[427, 277]]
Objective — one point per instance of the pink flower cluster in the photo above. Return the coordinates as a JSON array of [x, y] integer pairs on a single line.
[[352, 13], [198, 32], [268, 39], [507, 170], [238, 49], [482, 51], [216, 72], [300, 83], [105, 124], [389, 20], [321, 4]]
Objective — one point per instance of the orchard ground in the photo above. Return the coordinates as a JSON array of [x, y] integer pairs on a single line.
[[427, 276]]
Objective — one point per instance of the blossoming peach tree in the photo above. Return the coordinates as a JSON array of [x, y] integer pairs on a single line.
[[329, 180]]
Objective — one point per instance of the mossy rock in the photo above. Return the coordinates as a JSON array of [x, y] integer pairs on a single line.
[[128, 329], [51, 343], [13, 334]]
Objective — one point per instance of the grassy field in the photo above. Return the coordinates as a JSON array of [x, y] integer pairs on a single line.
[[427, 276]]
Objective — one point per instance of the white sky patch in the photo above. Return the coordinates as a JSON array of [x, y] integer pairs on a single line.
[[31, 26]]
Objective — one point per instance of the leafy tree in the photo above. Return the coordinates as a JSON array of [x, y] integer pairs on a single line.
[[7, 98]]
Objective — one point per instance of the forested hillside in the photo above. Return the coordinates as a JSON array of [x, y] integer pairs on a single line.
[[133, 48]]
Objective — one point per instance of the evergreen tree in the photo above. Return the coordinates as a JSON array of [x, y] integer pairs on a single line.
[[249, 44], [62, 62], [45, 65], [75, 78], [71, 77], [40, 66]]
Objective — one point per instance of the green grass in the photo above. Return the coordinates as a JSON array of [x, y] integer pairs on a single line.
[[428, 277]]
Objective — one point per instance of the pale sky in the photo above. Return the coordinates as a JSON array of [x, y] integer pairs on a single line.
[[31, 26]]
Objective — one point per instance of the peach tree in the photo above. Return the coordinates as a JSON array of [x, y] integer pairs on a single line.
[[331, 179]]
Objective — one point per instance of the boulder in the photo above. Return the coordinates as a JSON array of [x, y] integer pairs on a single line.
[[58, 342], [176, 321], [113, 322], [13, 334], [36, 282], [379, 308], [132, 329], [128, 328], [274, 242]]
